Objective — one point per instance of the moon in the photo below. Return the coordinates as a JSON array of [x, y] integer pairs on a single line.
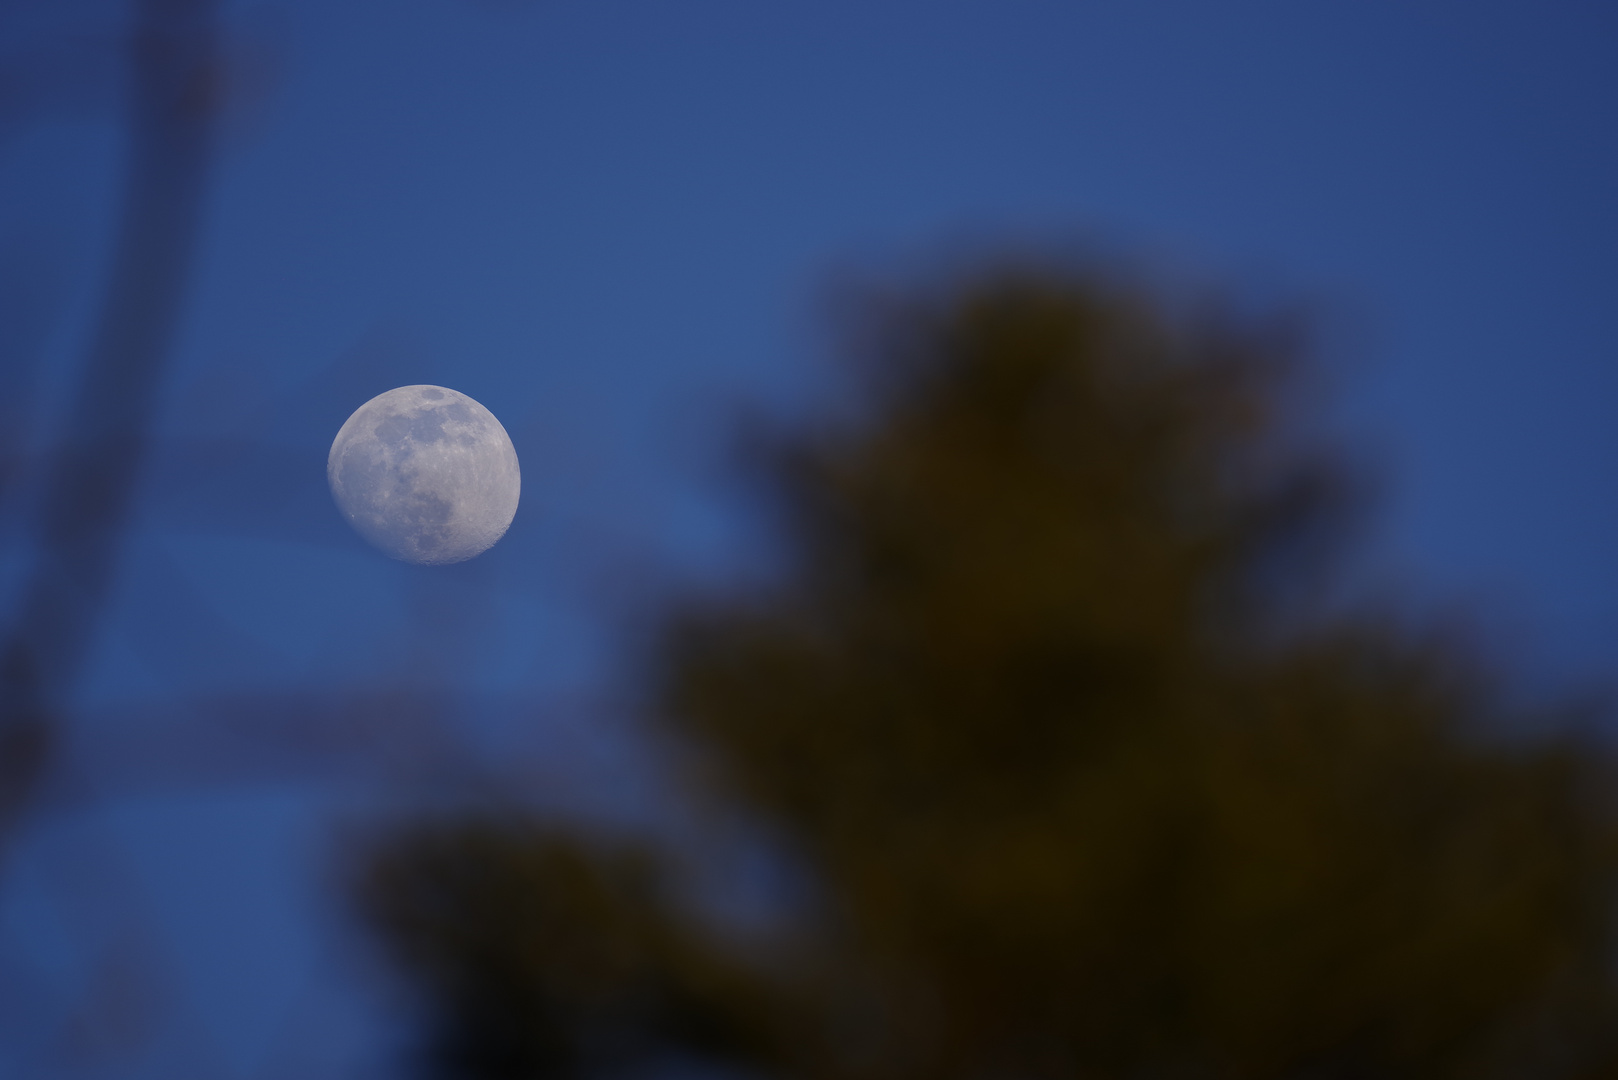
[[426, 474]]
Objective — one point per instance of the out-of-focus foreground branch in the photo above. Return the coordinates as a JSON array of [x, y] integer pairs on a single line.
[[86, 494]]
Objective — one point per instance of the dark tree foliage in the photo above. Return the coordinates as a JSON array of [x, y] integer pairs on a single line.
[[1085, 784], [547, 960]]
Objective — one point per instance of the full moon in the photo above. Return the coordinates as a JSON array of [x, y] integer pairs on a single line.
[[426, 474]]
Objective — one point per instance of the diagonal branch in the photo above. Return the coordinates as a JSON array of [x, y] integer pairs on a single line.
[[173, 82]]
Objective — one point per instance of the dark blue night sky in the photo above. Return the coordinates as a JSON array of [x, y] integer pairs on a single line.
[[616, 224]]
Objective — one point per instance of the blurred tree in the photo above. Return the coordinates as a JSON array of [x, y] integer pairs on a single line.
[[1086, 781]]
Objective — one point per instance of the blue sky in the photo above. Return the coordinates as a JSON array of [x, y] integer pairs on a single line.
[[613, 223]]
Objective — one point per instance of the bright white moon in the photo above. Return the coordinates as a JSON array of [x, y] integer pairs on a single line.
[[426, 474]]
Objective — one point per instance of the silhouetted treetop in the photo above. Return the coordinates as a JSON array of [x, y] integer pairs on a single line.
[[1079, 791]]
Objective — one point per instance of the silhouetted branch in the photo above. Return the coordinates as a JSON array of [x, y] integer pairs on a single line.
[[173, 81]]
